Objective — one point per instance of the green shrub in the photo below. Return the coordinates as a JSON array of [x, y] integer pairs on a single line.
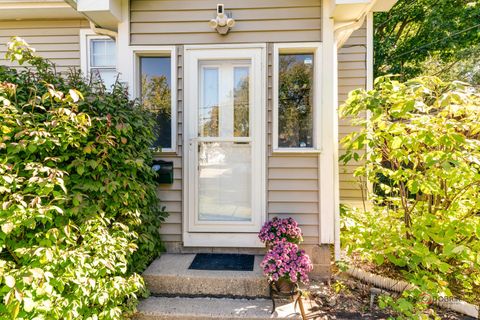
[[79, 215], [423, 138]]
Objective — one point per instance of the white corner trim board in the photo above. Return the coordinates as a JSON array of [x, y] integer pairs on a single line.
[[329, 216], [456, 305]]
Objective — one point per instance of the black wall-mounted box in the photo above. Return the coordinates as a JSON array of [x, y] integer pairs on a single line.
[[164, 170]]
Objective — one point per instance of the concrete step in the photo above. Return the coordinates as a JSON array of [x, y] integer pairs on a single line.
[[169, 276], [162, 308]]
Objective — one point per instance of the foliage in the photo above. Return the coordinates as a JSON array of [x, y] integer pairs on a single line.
[[423, 138], [277, 229], [429, 37], [79, 215], [285, 260]]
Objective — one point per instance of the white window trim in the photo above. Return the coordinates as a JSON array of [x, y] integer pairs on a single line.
[[138, 51], [85, 36], [304, 47]]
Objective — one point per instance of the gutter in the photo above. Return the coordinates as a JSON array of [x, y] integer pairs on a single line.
[[102, 32], [72, 3]]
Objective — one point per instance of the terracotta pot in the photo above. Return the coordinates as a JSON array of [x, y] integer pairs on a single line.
[[285, 286]]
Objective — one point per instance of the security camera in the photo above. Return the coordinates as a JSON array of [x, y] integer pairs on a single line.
[[220, 9], [222, 23]]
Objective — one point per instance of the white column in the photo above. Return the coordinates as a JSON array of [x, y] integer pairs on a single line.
[[329, 181]]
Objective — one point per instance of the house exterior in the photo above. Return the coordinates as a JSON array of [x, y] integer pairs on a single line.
[[248, 118]]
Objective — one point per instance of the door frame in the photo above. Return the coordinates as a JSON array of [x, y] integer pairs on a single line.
[[195, 235]]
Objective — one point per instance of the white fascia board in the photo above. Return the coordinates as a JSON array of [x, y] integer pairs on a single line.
[[104, 13]]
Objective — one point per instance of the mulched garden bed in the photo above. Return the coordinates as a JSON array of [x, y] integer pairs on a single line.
[[348, 298]]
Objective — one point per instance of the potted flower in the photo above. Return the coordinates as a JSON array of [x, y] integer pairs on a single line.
[[285, 265], [277, 229]]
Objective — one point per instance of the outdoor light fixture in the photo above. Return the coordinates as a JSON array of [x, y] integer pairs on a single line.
[[222, 23]]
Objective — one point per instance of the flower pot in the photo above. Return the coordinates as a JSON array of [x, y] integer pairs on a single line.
[[284, 286]]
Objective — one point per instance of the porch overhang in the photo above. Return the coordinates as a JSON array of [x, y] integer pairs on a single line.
[[349, 15], [104, 14]]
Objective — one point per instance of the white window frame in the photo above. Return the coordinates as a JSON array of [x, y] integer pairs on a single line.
[[86, 35], [314, 48], [157, 51]]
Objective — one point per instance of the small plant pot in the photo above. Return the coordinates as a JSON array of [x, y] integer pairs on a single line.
[[284, 286]]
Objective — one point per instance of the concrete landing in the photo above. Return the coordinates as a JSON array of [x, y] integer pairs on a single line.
[[162, 308], [169, 276]]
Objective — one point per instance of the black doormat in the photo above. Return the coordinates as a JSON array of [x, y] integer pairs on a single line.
[[220, 261]]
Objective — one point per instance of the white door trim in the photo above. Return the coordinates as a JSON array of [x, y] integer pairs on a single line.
[[201, 235]]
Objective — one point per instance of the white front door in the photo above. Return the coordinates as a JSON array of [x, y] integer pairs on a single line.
[[224, 157]]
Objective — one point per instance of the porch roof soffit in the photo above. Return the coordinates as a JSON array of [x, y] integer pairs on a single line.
[[36, 9]]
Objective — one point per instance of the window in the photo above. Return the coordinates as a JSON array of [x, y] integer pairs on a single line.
[[296, 95], [154, 84], [156, 96], [102, 62], [98, 57]]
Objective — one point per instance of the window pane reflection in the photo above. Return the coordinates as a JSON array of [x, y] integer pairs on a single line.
[[155, 75], [295, 101], [241, 103], [209, 108]]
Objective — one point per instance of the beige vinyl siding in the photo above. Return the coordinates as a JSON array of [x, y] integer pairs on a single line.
[[186, 21], [57, 40], [171, 196], [292, 179], [352, 74]]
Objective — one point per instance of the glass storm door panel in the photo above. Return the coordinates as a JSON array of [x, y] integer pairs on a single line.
[[224, 142], [224, 175]]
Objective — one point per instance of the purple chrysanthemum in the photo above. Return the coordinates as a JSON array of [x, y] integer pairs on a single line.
[[278, 229], [285, 260]]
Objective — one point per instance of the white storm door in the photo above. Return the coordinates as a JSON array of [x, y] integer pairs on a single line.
[[225, 181]]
